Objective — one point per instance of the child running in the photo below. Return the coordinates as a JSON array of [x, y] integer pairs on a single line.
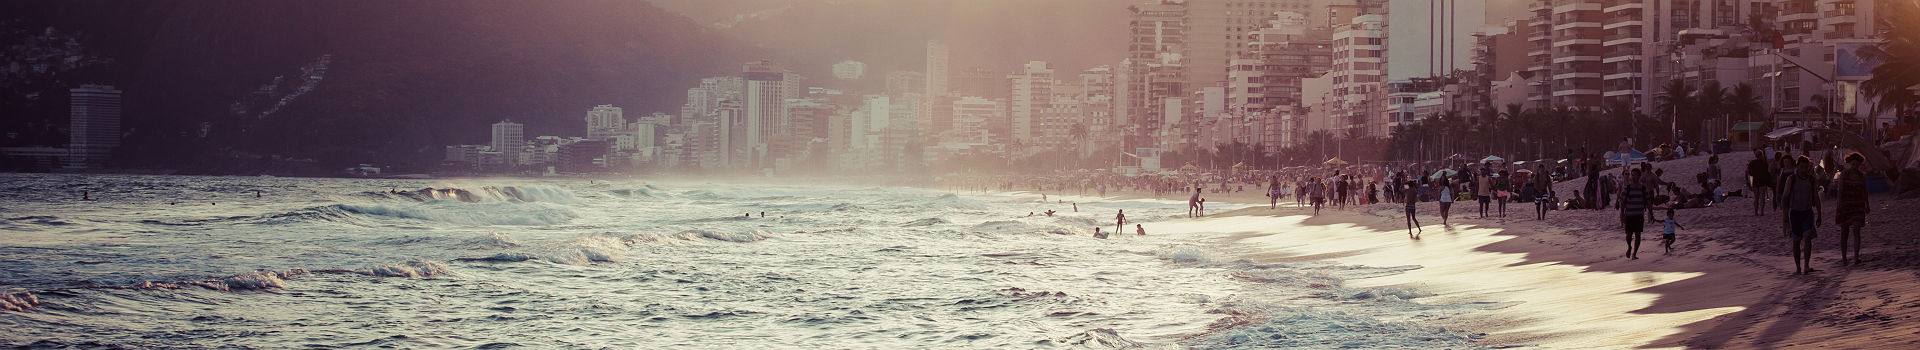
[[1666, 237]]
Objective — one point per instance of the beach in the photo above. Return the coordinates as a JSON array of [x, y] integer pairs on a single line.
[[1563, 282]]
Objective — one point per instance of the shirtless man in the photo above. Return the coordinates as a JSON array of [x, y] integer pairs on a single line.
[[1193, 203]]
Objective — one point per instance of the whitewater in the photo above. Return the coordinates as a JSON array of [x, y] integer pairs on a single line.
[[174, 261]]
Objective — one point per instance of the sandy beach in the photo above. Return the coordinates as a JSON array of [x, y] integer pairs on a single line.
[[1563, 283]]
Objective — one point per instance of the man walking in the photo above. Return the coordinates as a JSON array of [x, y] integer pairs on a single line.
[[1801, 197]]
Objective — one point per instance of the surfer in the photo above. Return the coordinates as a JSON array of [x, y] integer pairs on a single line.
[[1120, 220]]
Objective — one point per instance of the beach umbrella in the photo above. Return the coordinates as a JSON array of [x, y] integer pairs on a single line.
[[1492, 159], [1335, 161], [1445, 173], [1523, 171]]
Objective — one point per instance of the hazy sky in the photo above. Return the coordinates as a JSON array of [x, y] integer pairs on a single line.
[[890, 34]]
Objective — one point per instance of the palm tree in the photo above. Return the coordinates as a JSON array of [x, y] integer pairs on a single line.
[[1899, 54], [1078, 132], [1675, 100], [1743, 104], [1710, 101], [1816, 104]]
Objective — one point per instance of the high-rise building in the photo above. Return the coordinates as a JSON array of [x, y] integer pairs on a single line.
[[1154, 70], [1430, 38], [936, 73], [1032, 92], [979, 81], [509, 137], [1217, 30], [1358, 73], [905, 82], [849, 70], [1265, 83], [766, 109], [604, 122], [970, 118], [937, 104], [95, 116]]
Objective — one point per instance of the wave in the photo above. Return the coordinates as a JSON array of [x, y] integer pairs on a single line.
[[410, 269], [924, 222], [1018, 227], [21, 301], [519, 193], [1306, 327], [596, 248], [517, 214]]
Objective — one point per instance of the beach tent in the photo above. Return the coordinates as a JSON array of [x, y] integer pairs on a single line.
[[1335, 161], [1634, 156]]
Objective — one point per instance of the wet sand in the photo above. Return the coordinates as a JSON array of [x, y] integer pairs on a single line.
[[1565, 284]]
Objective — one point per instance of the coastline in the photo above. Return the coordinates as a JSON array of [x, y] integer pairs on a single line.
[[1562, 282]]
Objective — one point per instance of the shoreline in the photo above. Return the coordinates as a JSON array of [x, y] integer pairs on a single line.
[[1569, 287]]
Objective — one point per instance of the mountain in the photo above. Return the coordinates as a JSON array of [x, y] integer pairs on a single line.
[[358, 81]]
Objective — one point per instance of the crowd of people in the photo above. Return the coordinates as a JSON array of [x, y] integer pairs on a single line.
[[1778, 182]]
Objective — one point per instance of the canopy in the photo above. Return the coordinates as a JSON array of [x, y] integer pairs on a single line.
[[1189, 166], [1335, 161], [1492, 159], [1240, 165], [1749, 126], [1875, 159], [1634, 156], [1444, 173]]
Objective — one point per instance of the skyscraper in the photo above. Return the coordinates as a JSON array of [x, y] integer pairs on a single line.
[[96, 125], [509, 137], [1032, 93], [605, 122], [849, 70], [1216, 32], [1154, 69], [936, 69], [765, 107]]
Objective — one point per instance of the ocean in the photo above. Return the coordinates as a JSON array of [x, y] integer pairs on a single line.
[[257, 262]]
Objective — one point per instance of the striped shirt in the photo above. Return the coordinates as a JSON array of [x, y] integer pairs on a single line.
[[1633, 200]]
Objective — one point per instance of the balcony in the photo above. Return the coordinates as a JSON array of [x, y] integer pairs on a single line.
[[1576, 57], [1623, 40], [1569, 42], [1617, 6], [1575, 92], [1576, 75], [1618, 23], [1624, 92], [1576, 6], [1627, 75], [1571, 25]]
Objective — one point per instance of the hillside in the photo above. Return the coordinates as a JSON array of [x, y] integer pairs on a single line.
[[358, 81]]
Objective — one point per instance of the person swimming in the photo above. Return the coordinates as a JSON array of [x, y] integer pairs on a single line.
[[1049, 212], [1141, 230]]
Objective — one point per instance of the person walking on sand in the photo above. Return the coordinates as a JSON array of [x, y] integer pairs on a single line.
[[1502, 188], [1666, 236], [1317, 191], [1483, 189], [1413, 223], [1446, 198], [1633, 207], [1542, 191], [1801, 197], [1759, 180], [1852, 213]]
